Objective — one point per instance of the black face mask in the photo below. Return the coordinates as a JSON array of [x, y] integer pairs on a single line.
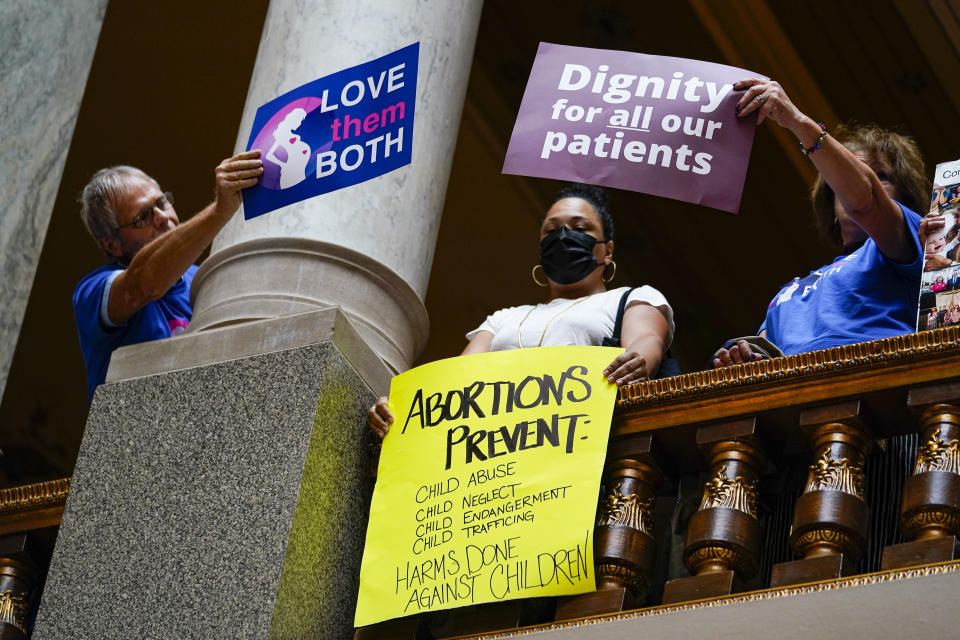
[[567, 255]]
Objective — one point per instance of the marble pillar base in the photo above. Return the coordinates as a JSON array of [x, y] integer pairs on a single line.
[[277, 277], [227, 500]]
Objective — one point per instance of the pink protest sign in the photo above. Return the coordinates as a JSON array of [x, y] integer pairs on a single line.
[[665, 126]]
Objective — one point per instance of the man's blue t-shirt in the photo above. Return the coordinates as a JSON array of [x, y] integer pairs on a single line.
[[161, 318], [859, 297]]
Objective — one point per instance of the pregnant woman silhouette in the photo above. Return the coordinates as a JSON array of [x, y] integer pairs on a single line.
[[293, 169]]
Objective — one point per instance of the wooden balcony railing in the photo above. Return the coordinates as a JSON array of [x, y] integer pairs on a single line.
[[801, 469], [821, 466], [29, 516]]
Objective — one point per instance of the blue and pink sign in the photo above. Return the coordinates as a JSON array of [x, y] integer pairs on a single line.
[[335, 132], [653, 124]]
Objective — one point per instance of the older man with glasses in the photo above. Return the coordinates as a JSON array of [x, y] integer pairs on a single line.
[[144, 293]]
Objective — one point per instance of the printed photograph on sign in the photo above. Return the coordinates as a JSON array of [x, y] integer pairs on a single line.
[[943, 242], [334, 132], [939, 304], [488, 481], [653, 124]]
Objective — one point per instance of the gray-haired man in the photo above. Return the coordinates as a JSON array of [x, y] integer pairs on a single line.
[[143, 294]]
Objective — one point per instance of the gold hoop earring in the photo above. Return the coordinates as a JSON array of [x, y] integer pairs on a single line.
[[534, 274], [604, 277]]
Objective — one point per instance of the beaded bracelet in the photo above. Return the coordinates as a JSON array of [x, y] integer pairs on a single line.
[[818, 143]]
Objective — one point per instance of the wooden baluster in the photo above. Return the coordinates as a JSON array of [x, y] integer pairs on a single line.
[[18, 576], [830, 519], [723, 537], [623, 540], [930, 514]]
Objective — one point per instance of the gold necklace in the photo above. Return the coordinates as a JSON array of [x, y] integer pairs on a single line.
[[544, 333]]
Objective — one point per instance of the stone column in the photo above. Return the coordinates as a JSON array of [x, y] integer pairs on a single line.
[[46, 48], [366, 248]]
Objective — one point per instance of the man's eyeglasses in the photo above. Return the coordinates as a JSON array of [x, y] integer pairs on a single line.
[[145, 217]]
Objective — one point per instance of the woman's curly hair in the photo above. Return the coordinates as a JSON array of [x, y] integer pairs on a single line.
[[909, 175]]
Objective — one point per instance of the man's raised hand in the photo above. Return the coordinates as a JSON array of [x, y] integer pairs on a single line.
[[234, 174]]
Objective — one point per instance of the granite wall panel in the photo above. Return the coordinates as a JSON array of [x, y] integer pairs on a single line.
[[187, 512]]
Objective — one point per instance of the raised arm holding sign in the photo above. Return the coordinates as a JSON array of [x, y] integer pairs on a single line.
[[143, 294], [871, 183]]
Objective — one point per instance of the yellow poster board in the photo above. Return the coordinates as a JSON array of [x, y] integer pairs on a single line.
[[488, 481]]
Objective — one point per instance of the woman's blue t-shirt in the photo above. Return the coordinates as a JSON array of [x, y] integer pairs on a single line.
[[859, 297]]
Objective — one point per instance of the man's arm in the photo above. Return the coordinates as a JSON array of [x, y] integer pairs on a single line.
[[159, 264]]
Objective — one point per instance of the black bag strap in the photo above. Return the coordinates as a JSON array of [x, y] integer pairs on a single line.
[[668, 366], [618, 325]]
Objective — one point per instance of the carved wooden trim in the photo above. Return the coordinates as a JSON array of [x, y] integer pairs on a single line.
[[752, 596], [829, 474], [31, 496], [938, 455], [33, 506], [823, 537], [623, 545], [791, 381], [737, 493], [724, 534], [627, 576], [929, 508], [13, 609], [723, 555], [934, 516], [627, 510], [813, 364]]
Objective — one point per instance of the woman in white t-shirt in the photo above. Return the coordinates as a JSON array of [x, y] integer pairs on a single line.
[[576, 262]]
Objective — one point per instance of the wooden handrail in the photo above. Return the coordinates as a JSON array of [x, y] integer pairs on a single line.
[[33, 506], [879, 373]]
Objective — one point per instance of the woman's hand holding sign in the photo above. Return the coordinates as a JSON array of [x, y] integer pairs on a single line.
[[379, 417], [768, 99], [628, 367], [645, 331]]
